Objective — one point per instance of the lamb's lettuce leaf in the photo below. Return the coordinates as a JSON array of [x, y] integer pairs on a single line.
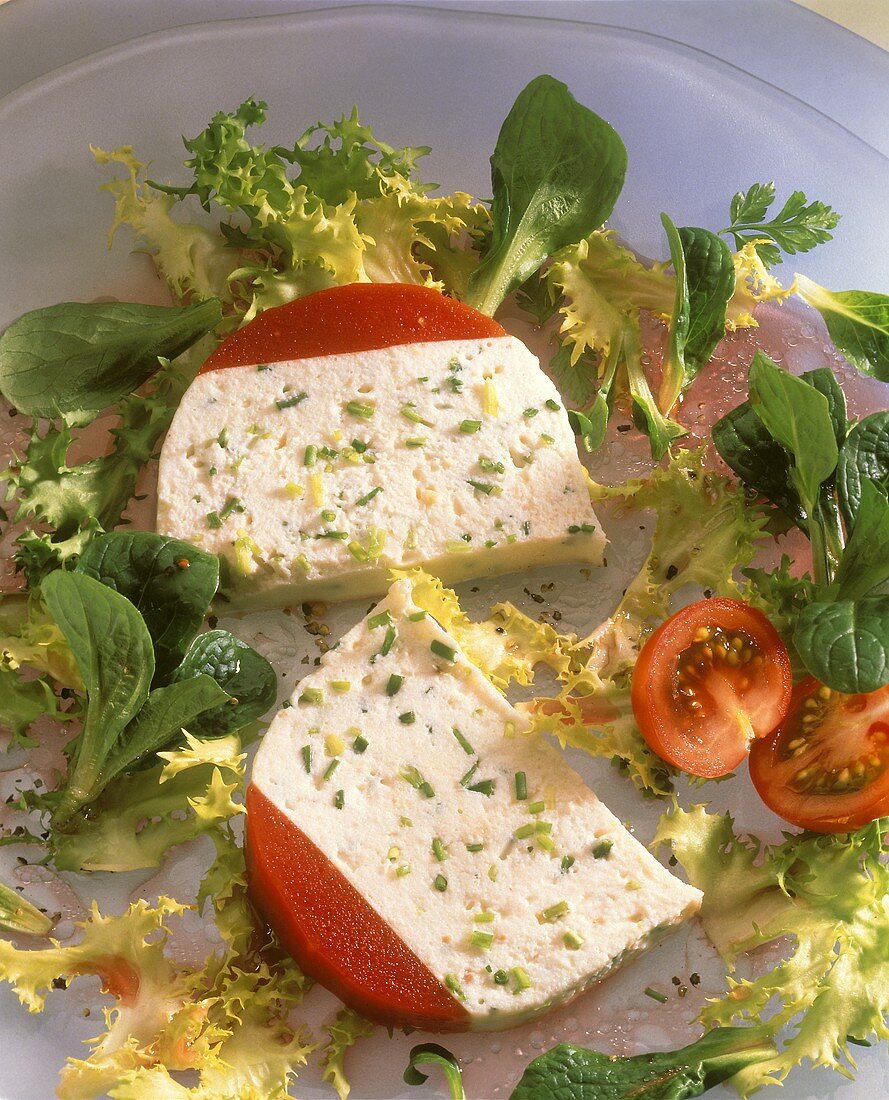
[[556, 173], [858, 323]]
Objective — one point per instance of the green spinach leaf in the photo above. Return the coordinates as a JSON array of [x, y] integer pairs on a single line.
[[247, 677], [858, 323], [572, 1073], [798, 417], [864, 454], [865, 562], [556, 173], [75, 358], [705, 280], [115, 658], [171, 583], [167, 711], [845, 644]]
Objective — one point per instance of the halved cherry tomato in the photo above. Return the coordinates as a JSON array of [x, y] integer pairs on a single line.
[[708, 681], [826, 767], [355, 317]]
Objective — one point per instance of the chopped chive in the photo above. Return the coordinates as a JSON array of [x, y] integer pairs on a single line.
[[417, 616], [303, 562], [483, 487], [339, 800], [661, 998], [213, 520], [368, 497], [233, 504], [331, 768], [388, 641], [451, 982], [521, 786], [359, 445], [549, 440], [486, 787], [492, 872], [306, 753], [262, 367], [293, 490], [340, 686], [576, 528], [337, 536], [537, 807], [328, 515], [393, 854], [524, 831], [482, 939], [360, 744], [408, 718], [440, 883], [409, 412], [572, 941], [464, 782], [393, 685], [360, 409], [501, 977], [546, 843], [475, 847], [547, 916], [526, 528], [470, 427], [403, 870], [602, 849], [490, 466], [439, 850], [567, 864], [521, 979], [528, 413], [416, 441], [289, 402], [484, 917], [310, 455], [554, 405], [222, 438], [314, 696], [383, 619], [405, 822], [413, 776], [441, 650], [463, 743], [212, 471]]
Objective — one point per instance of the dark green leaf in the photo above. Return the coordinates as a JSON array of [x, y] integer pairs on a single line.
[[797, 416], [571, 1073], [705, 280], [590, 426], [747, 448], [797, 227], [858, 323], [846, 644], [825, 381], [865, 562], [865, 454], [556, 173], [115, 658], [167, 711], [170, 582], [75, 357], [247, 677], [431, 1054]]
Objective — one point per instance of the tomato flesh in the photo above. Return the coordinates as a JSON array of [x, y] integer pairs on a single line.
[[710, 680], [826, 767], [351, 318], [332, 931]]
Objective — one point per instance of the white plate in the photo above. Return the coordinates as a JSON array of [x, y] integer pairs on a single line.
[[696, 129]]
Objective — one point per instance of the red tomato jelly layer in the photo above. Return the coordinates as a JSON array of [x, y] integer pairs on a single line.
[[333, 933], [355, 317]]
